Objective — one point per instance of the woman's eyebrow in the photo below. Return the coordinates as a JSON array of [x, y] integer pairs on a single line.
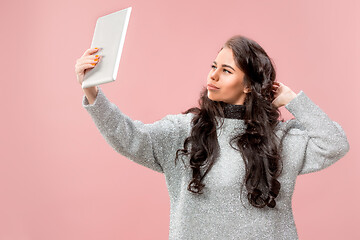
[[225, 65]]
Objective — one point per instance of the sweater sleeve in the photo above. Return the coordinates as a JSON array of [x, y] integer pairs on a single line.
[[326, 141], [144, 144]]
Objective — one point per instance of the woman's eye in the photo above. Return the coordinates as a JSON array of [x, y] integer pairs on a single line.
[[213, 66]]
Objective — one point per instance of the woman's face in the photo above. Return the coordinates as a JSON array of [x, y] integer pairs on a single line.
[[228, 79]]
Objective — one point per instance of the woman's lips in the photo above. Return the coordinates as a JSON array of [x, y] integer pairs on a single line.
[[212, 87]]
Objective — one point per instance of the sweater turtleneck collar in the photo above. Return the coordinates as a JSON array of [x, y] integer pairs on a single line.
[[234, 111]]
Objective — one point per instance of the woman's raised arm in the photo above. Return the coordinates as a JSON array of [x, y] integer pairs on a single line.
[[325, 140], [151, 145]]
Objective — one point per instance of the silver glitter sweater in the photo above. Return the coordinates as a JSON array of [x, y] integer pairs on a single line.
[[311, 142]]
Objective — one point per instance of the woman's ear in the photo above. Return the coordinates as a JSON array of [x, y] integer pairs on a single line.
[[247, 90]]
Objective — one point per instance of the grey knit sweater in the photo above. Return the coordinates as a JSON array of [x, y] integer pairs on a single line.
[[311, 141]]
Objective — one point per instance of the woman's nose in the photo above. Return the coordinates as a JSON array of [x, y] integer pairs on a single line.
[[214, 75]]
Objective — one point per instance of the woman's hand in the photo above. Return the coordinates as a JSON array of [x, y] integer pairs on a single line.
[[282, 94], [86, 61]]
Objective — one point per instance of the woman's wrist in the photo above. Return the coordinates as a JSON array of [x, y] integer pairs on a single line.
[[91, 94], [290, 97]]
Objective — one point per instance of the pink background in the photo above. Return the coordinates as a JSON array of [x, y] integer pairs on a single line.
[[59, 179]]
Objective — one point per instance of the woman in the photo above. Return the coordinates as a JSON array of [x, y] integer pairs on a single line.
[[233, 140]]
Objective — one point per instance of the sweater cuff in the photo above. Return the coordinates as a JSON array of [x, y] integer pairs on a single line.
[[99, 104], [300, 104]]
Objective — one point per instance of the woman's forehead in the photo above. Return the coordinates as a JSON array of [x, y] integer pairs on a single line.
[[226, 56]]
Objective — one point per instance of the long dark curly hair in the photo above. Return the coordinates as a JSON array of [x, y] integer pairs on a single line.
[[257, 144]]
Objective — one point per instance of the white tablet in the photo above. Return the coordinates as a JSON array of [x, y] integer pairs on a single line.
[[109, 36]]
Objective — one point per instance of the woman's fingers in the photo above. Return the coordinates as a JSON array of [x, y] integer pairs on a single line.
[[90, 51], [84, 66], [86, 61], [275, 86], [92, 59]]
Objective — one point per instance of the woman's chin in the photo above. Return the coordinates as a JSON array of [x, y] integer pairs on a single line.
[[211, 97]]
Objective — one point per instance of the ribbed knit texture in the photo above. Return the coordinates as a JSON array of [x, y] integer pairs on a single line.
[[311, 142]]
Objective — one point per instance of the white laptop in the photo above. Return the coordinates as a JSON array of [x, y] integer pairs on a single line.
[[109, 36]]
